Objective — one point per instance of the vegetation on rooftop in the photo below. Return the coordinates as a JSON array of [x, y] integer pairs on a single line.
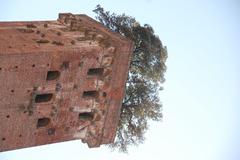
[[146, 74]]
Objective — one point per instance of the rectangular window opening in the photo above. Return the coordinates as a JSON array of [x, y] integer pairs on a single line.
[[43, 98], [90, 94], [42, 122], [95, 72], [86, 116], [52, 75]]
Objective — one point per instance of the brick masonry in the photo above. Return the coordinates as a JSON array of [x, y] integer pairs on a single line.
[[60, 80]]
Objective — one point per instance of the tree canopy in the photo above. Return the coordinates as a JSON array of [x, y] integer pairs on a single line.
[[146, 73]]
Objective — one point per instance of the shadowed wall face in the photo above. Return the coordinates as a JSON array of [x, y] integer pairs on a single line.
[[61, 80]]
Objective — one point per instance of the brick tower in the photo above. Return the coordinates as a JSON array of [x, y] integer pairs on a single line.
[[60, 80]]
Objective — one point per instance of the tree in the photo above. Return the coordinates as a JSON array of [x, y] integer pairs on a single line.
[[141, 103]]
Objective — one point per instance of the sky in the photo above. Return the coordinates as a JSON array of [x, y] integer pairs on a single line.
[[201, 93]]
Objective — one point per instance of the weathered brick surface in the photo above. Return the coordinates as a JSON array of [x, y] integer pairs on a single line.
[[60, 80]]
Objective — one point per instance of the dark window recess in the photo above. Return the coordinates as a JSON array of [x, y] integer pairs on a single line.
[[90, 94], [95, 72], [52, 75], [42, 122], [43, 97], [86, 116]]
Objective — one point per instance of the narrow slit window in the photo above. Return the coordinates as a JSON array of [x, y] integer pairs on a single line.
[[42, 122], [53, 75], [90, 94], [43, 97], [95, 72], [86, 116]]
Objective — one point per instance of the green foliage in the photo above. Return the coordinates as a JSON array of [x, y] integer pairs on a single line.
[[141, 103]]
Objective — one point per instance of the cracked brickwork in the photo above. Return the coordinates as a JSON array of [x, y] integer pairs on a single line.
[[60, 80]]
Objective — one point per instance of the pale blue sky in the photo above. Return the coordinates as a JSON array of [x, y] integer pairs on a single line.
[[201, 96]]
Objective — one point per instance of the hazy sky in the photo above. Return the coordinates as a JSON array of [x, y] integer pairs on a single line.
[[201, 96]]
